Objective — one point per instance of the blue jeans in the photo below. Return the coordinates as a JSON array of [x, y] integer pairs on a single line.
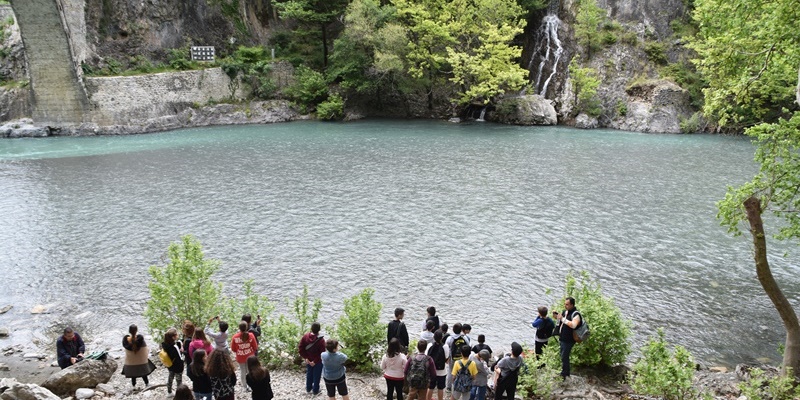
[[566, 348], [477, 393], [202, 396], [313, 376]]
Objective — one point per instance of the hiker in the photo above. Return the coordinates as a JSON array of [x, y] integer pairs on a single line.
[[440, 353], [568, 320], [311, 347], [137, 365], [427, 334], [506, 373], [393, 366], [222, 374], [183, 393], [432, 317], [481, 380], [544, 329], [464, 371], [201, 382], [481, 345], [258, 380], [200, 341], [419, 372], [220, 339], [69, 348], [397, 329], [333, 370], [454, 343], [243, 346], [188, 333], [172, 346]]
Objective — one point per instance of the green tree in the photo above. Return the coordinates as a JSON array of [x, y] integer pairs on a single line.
[[360, 329], [584, 86], [748, 52], [314, 15], [182, 289], [588, 22], [663, 372]]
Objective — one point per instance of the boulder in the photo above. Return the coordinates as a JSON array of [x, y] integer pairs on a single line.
[[6, 309], [583, 121], [3, 332], [87, 373], [106, 388], [655, 106], [524, 110], [10, 389]]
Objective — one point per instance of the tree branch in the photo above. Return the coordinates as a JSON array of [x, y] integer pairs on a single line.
[[761, 72]]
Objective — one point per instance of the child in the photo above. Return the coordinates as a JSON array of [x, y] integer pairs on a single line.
[[392, 365], [471, 371], [478, 391], [333, 370], [258, 380], [481, 345], [506, 373], [243, 345], [221, 338]]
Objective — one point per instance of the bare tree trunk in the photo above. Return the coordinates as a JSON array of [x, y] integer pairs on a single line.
[[791, 354]]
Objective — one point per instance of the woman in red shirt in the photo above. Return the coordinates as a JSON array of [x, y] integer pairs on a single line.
[[243, 345]]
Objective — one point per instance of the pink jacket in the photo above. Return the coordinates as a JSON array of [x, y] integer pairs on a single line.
[[198, 344]]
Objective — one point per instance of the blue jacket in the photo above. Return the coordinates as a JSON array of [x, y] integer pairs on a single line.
[[67, 349], [333, 365]]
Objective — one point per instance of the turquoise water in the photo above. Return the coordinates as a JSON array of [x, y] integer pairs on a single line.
[[476, 219]]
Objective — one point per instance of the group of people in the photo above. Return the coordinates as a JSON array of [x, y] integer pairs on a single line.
[[442, 360]]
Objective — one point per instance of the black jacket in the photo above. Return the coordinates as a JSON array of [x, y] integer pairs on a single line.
[[174, 352], [397, 329]]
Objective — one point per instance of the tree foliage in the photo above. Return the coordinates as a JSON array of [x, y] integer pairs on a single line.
[[588, 21], [584, 86], [314, 15], [662, 371], [360, 329], [749, 52]]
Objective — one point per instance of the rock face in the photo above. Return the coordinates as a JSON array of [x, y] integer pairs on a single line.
[[655, 107], [85, 374], [22, 391], [524, 110]]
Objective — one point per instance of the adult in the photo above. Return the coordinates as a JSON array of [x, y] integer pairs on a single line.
[[544, 329], [222, 374], [258, 380], [393, 366], [137, 365], [568, 320], [69, 348], [201, 382], [172, 346], [311, 347], [333, 370], [506, 374], [397, 329], [243, 346]]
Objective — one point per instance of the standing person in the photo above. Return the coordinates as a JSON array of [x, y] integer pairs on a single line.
[[481, 345], [481, 381], [544, 329], [454, 343], [568, 320], [172, 346], [464, 371], [393, 367], [137, 365], [427, 334], [222, 374], [419, 372], [243, 346], [397, 329], [465, 330], [201, 382], [333, 370], [440, 354], [69, 348], [506, 373], [254, 328], [432, 317], [188, 333], [200, 341], [220, 339], [258, 380], [311, 347]]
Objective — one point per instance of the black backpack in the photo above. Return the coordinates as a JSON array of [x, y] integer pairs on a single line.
[[546, 330], [458, 342], [437, 353]]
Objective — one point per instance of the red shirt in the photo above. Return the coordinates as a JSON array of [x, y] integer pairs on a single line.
[[243, 347]]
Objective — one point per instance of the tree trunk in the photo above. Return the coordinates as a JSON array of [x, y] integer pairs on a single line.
[[798, 86], [791, 354]]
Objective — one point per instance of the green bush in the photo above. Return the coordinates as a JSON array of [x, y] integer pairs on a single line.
[[179, 59], [692, 124], [685, 75], [608, 343], [664, 372], [283, 334], [251, 303], [542, 375], [360, 330], [622, 108], [309, 88], [759, 386], [331, 109], [585, 83], [656, 52], [183, 288]]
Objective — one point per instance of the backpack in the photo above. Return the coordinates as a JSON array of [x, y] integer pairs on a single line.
[[546, 330], [463, 381], [458, 342], [418, 373], [581, 333], [438, 356], [164, 356]]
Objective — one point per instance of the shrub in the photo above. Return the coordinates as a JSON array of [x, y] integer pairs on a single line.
[[692, 124], [179, 59], [182, 289], [252, 303], [608, 343], [360, 331], [309, 88], [759, 386], [622, 108], [331, 109], [542, 375], [585, 83], [283, 334], [663, 372], [656, 52]]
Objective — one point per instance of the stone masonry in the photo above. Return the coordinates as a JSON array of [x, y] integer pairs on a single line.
[[59, 97]]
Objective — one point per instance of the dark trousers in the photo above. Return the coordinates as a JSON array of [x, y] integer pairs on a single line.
[[144, 378], [566, 348], [506, 387], [394, 386], [313, 376], [539, 348]]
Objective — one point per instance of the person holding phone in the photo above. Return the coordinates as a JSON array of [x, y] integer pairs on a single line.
[[568, 320]]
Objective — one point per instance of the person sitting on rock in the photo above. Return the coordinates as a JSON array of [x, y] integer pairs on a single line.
[[70, 348]]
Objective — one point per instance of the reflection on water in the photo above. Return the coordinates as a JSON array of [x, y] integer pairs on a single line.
[[478, 220]]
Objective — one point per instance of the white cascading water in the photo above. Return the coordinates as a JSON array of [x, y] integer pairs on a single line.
[[483, 114], [549, 48]]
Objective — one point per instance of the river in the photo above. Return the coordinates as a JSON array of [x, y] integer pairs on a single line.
[[476, 219]]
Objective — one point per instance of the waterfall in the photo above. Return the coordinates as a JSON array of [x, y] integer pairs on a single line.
[[483, 114], [549, 49]]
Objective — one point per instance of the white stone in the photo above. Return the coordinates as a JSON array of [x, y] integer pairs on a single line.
[[84, 393], [3, 332], [32, 355], [6, 309], [106, 388], [40, 309]]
